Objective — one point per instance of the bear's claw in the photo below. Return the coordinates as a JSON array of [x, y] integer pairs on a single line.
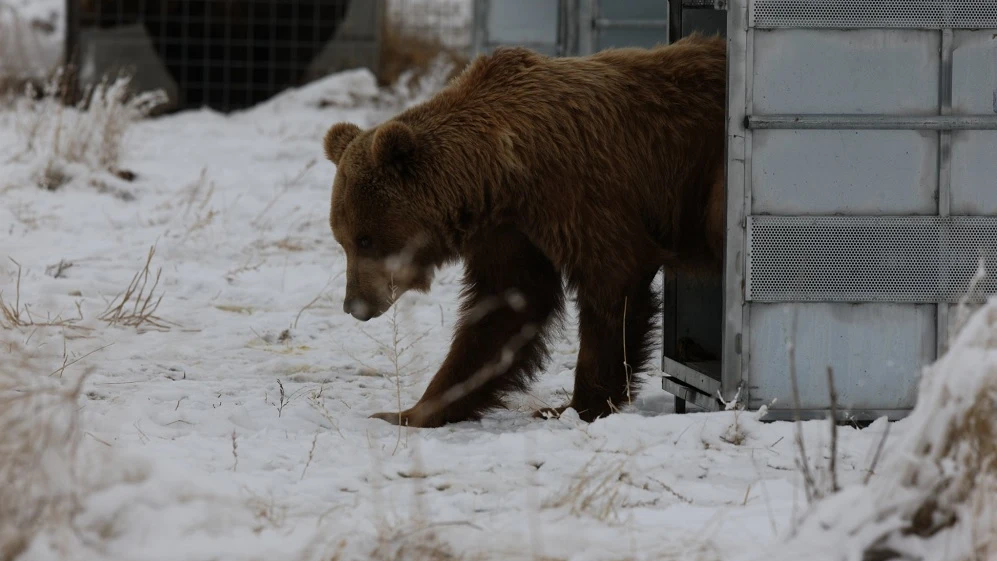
[[587, 414], [408, 418], [550, 412]]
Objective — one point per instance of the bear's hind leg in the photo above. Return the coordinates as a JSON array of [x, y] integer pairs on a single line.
[[512, 294], [615, 331]]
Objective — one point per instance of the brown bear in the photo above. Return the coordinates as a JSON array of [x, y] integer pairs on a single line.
[[542, 174]]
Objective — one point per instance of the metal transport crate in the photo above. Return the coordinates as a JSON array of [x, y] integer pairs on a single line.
[[861, 198]]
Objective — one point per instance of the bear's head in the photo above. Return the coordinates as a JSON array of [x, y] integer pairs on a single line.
[[379, 215]]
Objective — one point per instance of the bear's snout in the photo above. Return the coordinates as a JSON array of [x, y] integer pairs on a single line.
[[358, 308]]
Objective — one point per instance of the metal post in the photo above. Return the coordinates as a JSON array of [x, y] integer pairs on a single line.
[[479, 23], [944, 184], [675, 20], [586, 32], [734, 358]]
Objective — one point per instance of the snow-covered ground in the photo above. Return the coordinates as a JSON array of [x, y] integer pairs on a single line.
[[238, 429], [206, 460]]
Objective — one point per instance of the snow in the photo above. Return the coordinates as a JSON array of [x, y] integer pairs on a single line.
[[187, 450], [236, 207]]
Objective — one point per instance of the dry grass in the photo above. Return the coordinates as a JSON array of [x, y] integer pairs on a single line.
[[316, 400], [39, 438], [818, 482], [268, 512], [197, 212], [597, 491], [64, 140], [419, 543], [409, 55], [137, 305], [397, 351], [286, 186], [413, 536], [966, 493], [415, 69], [15, 315]]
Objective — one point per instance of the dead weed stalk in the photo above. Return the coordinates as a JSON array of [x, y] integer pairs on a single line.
[[407, 56], [137, 305], [18, 316], [315, 399], [397, 351], [199, 196], [39, 446], [286, 186], [416, 536], [89, 135], [597, 492]]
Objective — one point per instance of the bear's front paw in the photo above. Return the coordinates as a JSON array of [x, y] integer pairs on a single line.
[[587, 414], [409, 418]]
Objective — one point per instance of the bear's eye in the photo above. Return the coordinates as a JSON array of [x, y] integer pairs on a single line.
[[363, 242]]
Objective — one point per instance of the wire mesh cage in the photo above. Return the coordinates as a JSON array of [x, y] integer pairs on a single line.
[[226, 54]]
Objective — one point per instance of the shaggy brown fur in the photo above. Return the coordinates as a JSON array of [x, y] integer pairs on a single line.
[[598, 169]]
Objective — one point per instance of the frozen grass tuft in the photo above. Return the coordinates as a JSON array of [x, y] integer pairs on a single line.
[[17, 315], [86, 139], [137, 305], [413, 86], [39, 438], [422, 544], [408, 57], [597, 491]]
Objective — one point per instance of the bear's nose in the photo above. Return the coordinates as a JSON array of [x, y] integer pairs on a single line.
[[357, 308]]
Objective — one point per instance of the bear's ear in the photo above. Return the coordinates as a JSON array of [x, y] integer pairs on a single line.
[[393, 142], [337, 138]]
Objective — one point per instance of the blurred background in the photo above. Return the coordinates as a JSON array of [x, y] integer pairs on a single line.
[[226, 54], [232, 54]]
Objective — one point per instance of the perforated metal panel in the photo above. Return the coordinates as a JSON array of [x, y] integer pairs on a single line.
[[917, 14], [869, 258]]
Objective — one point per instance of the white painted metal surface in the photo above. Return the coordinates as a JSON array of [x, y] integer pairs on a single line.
[[862, 138], [527, 23]]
